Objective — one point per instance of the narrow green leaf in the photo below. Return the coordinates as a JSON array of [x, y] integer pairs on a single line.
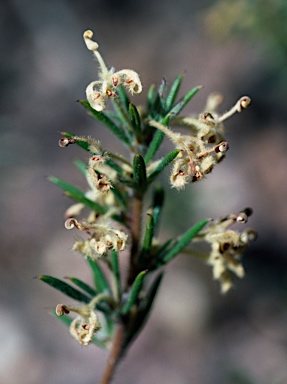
[[123, 97], [116, 272], [65, 319], [66, 186], [148, 236], [145, 253], [183, 241], [123, 116], [157, 204], [100, 281], [147, 302], [93, 205], [164, 162], [81, 144], [77, 195], [81, 166], [64, 288], [111, 163], [157, 139], [120, 196], [134, 293], [139, 172], [183, 102], [101, 117], [161, 92], [79, 283], [135, 119], [154, 145], [151, 98], [144, 310], [173, 92], [157, 109]]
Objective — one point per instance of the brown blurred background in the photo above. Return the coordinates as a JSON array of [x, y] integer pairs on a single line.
[[194, 335]]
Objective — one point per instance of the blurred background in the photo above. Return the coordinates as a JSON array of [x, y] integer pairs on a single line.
[[195, 335]]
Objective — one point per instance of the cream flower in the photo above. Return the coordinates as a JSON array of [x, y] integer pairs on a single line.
[[99, 91], [195, 159], [101, 240], [204, 146], [86, 324], [82, 328], [227, 247]]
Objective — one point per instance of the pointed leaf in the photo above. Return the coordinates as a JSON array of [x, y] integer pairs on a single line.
[[65, 186], [164, 162], [123, 97], [144, 310], [157, 204], [161, 92], [148, 236], [111, 163], [139, 172], [173, 92], [120, 196], [151, 98], [81, 166], [77, 195], [101, 117], [154, 145], [93, 205], [124, 117], [183, 101], [116, 272], [135, 119], [64, 288], [81, 144], [134, 292], [183, 241], [79, 283], [100, 281]]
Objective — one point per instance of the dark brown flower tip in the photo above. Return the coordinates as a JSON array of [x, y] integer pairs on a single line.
[[248, 211], [61, 310], [65, 141]]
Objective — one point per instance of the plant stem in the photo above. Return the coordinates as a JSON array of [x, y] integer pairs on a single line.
[[115, 355], [117, 346]]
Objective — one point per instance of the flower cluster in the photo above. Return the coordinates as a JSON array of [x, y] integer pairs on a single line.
[[102, 238], [99, 91], [83, 327], [204, 147], [96, 174], [227, 247]]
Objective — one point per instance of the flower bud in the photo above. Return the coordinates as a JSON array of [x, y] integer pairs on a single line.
[[61, 309]]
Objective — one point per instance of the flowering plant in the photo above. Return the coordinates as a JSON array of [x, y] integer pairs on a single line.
[[113, 311]]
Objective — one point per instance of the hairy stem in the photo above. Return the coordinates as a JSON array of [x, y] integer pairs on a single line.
[[115, 355]]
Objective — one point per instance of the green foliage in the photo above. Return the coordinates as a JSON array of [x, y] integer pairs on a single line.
[[77, 195], [64, 288], [118, 192]]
